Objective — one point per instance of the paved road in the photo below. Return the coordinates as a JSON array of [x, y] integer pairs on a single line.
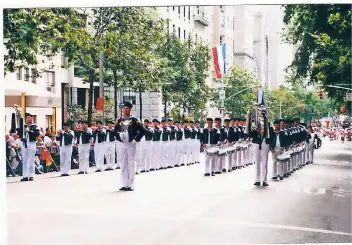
[[180, 206]]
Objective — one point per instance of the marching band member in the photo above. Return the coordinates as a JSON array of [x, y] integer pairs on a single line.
[[313, 137], [198, 143], [164, 145], [156, 157], [187, 144], [179, 144], [193, 142], [210, 138], [84, 137], [226, 135], [128, 131], [31, 132], [277, 146], [242, 160], [65, 140], [144, 151], [232, 139], [220, 160], [110, 146], [99, 139], [172, 144], [260, 138]]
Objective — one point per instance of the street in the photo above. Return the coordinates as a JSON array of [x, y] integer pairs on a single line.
[[181, 206]]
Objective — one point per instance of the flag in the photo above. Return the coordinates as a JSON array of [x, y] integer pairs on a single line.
[[219, 57]]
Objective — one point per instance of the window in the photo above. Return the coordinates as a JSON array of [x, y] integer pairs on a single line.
[[129, 95], [64, 61], [222, 21], [184, 34], [233, 24], [222, 39], [50, 81], [221, 7], [48, 119], [173, 8], [26, 74], [179, 32], [196, 38], [34, 76], [179, 10], [19, 73], [184, 11], [189, 12]]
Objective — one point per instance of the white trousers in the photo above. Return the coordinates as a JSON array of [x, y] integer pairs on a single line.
[[143, 156], [65, 159], [187, 151], [307, 152], [278, 167], [119, 155], [28, 156], [172, 153], [110, 154], [165, 148], [311, 153], [156, 154], [178, 152], [261, 161], [83, 151], [99, 152], [221, 163], [128, 161], [209, 160]]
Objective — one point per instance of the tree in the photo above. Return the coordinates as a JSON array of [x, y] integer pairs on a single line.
[[236, 80], [76, 113], [32, 32], [321, 34]]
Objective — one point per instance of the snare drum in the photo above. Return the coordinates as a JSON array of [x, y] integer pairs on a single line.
[[283, 157], [222, 152], [212, 151]]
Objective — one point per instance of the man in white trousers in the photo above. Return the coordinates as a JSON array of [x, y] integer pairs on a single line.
[[110, 146], [146, 149], [198, 143], [30, 134], [129, 132], [65, 139], [187, 146], [210, 138], [179, 144], [156, 146], [99, 138], [312, 139], [278, 139], [220, 160], [84, 139], [172, 143]]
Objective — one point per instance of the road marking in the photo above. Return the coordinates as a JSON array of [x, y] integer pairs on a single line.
[[107, 213], [315, 191]]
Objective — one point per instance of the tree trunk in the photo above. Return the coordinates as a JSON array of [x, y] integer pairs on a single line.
[[115, 94], [90, 96], [140, 102]]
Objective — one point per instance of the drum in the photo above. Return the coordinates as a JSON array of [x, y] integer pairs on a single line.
[[222, 152], [213, 151], [283, 157], [231, 149]]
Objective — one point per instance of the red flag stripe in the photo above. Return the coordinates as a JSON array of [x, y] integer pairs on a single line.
[[216, 63]]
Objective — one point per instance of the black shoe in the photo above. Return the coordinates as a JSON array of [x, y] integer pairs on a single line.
[[152, 169], [85, 172], [207, 174], [187, 164], [177, 166], [129, 189], [118, 167], [281, 178], [143, 171], [212, 174], [81, 172], [98, 171], [161, 168], [137, 173], [169, 167], [218, 172], [233, 168], [182, 164], [30, 179], [239, 167], [274, 178], [265, 184], [123, 189], [108, 169], [65, 175], [224, 170], [229, 170], [257, 183], [24, 179]]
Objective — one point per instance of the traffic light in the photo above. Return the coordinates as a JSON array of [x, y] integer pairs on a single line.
[[342, 109], [321, 94]]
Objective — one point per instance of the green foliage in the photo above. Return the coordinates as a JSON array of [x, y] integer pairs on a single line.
[[32, 32], [76, 113], [236, 80], [322, 36]]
